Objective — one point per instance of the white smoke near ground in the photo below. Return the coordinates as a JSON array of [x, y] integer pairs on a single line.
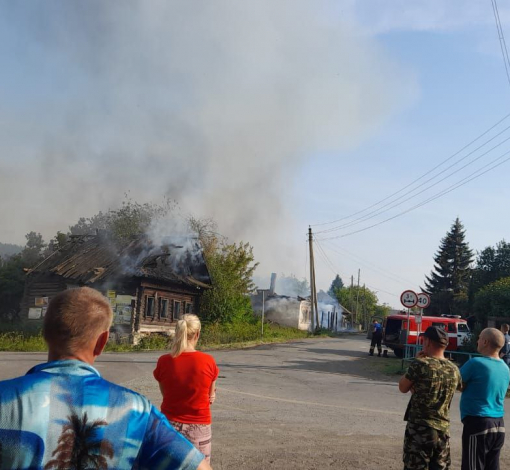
[[214, 104]]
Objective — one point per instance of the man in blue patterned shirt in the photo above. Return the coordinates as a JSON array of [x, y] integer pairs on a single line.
[[63, 415]]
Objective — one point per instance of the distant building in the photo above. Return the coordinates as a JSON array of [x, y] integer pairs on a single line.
[[150, 287], [296, 311]]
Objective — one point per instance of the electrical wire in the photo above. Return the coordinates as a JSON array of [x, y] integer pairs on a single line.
[[501, 37], [420, 177], [379, 212], [462, 182], [321, 252], [383, 272]]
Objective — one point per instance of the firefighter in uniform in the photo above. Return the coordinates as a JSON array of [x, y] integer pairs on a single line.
[[376, 338]]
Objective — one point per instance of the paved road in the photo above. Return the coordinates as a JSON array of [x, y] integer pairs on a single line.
[[311, 404]]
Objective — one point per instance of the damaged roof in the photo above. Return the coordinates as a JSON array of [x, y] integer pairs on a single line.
[[88, 259]]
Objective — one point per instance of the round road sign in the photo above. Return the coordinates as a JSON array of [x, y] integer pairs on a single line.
[[409, 298], [423, 300]]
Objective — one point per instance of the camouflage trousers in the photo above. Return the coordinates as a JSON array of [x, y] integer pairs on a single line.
[[426, 448]]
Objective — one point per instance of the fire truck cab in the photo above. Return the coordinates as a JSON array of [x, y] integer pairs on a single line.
[[396, 330]]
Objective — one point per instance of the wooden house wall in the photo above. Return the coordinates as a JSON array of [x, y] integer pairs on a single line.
[[40, 286], [173, 295]]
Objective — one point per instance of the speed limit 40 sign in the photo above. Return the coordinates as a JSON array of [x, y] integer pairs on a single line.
[[423, 300], [409, 299]]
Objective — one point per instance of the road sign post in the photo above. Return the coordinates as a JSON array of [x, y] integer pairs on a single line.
[[408, 299], [423, 302]]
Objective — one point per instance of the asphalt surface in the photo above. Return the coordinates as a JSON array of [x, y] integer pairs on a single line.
[[310, 404]]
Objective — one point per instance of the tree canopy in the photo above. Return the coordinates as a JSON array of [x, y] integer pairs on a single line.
[[336, 285], [448, 283], [493, 300]]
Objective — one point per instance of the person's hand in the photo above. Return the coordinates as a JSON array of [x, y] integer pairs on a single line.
[[212, 398]]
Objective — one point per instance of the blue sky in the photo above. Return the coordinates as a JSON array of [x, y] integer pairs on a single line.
[[267, 116]]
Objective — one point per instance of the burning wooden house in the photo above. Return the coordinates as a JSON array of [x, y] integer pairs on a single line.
[[150, 287], [283, 309]]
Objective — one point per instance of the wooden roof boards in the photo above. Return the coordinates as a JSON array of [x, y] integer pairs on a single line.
[[94, 258]]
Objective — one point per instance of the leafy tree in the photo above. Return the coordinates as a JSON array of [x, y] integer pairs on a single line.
[[8, 249], [335, 285], [12, 281], [360, 301], [492, 263], [382, 310], [124, 223], [231, 267], [34, 249], [493, 300], [448, 283], [12, 274]]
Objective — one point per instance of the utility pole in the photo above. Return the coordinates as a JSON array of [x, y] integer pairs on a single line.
[[357, 295], [263, 311], [351, 306], [364, 308], [313, 290]]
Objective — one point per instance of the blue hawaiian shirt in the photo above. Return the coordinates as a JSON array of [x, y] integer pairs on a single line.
[[63, 415]]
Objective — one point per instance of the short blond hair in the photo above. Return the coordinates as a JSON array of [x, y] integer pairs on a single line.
[[74, 318]]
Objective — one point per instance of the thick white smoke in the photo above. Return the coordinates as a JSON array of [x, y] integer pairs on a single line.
[[213, 103]]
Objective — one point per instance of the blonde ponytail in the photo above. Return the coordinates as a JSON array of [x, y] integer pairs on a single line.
[[185, 329]]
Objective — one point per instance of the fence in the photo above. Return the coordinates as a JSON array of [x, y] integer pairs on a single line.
[[460, 357]]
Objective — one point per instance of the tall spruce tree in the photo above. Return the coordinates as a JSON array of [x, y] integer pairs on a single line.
[[448, 283], [336, 285]]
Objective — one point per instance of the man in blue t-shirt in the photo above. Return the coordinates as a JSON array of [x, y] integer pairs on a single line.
[[485, 381], [63, 414]]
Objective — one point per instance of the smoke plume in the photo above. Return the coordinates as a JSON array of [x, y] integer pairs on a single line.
[[213, 103]]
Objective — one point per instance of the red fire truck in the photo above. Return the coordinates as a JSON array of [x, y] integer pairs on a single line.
[[396, 330]]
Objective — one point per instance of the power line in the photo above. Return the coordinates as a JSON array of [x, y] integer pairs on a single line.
[[501, 37], [321, 250], [436, 196], [384, 272], [373, 214], [420, 177]]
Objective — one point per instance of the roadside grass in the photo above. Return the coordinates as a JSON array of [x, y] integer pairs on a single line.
[[390, 366], [213, 336]]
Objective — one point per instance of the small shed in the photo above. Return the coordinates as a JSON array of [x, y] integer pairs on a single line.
[[150, 287], [283, 309]]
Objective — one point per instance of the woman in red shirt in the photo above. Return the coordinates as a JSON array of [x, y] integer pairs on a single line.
[[187, 380]]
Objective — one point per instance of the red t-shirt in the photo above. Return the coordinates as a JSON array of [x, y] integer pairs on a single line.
[[187, 380]]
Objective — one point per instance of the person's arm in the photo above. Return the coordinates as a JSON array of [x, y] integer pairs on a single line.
[[408, 380], [212, 393], [405, 384]]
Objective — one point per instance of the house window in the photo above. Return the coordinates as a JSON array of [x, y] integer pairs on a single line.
[[149, 309], [164, 308], [177, 310], [189, 307]]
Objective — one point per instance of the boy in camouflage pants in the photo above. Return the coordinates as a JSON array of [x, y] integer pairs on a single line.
[[432, 380]]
